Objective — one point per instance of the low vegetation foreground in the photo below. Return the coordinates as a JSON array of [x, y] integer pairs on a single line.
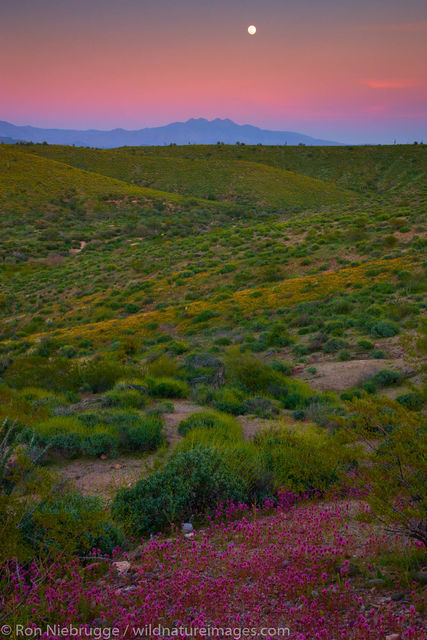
[[212, 400]]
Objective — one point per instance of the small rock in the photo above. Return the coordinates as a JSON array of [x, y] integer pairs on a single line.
[[189, 535], [103, 456], [397, 596], [121, 567], [128, 589], [421, 577], [376, 582], [187, 527], [117, 466], [393, 636]]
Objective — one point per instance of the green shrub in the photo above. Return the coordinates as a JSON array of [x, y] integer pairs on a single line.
[[202, 368], [145, 435], [62, 434], [341, 306], [369, 386], [300, 350], [250, 374], [349, 395], [162, 367], [177, 347], [300, 461], [230, 400], [168, 388], [261, 407], [35, 371], [344, 355], [67, 351], [218, 422], [159, 409], [125, 399], [333, 345], [99, 374], [384, 329], [193, 481], [72, 523], [283, 367], [41, 398], [412, 401], [365, 345], [47, 347], [386, 378], [299, 414], [99, 443], [396, 464]]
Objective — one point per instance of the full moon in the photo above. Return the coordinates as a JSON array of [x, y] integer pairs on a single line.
[[252, 30]]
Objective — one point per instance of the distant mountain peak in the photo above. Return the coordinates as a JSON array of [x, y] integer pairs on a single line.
[[193, 131]]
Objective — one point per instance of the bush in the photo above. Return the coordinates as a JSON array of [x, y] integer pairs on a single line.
[[299, 414], [300, 461], [293, 400], [125, 399], [333, 345], [261, 407], [99, 443], [218, 422], [159, 409], [62, 434], [145, 435], [411, 401], [168, 388], [230, 400], [177, 347], [396, 468], [386, 378], [366, 345], [194, 481], [203, 368], [67, 351], [377, 354], [71, 523], [283, 367], [162, 367], [99, 374], [384, 329], [341, 306], [248, 372], [35, 371]]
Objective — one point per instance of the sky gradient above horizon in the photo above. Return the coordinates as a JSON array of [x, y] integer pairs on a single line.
[[337, 69]]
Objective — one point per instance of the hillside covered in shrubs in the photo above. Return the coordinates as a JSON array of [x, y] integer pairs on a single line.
[[212, 399]]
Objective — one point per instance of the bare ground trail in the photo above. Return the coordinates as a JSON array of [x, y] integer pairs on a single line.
[[104, 476]]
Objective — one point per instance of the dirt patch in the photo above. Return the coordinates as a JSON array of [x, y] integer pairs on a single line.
[[251, 425], [103, 477], [182, 409], [337, 376], [82, 246]]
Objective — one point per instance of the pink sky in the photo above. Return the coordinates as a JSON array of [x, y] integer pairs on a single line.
[[337, 69]]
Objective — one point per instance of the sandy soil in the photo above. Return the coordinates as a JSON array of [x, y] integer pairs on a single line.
[[104, 476], [337, 376]]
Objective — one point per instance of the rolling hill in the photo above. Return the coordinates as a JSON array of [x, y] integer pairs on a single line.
[[215, 178]]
